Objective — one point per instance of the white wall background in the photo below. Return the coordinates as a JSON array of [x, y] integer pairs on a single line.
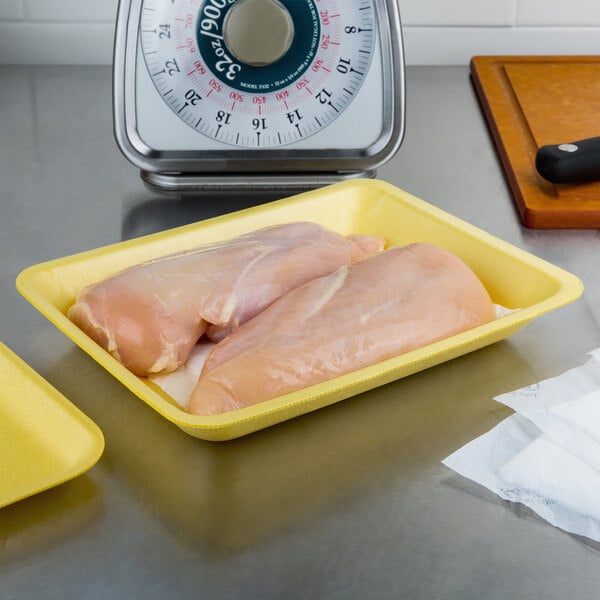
[[435, 31]]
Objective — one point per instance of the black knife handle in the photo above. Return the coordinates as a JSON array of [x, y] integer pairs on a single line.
[[575, 162]]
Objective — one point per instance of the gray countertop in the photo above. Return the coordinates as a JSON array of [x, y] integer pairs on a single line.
[[351, 501]]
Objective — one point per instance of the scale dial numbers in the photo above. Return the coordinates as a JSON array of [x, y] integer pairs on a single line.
[[214, 77]]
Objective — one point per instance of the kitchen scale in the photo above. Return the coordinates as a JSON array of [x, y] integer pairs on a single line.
[[257, 94]]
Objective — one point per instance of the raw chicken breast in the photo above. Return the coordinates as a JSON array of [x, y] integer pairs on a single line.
[[149, 317], [398, 300]]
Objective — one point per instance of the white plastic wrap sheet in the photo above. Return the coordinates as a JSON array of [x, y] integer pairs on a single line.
[[547, 455]]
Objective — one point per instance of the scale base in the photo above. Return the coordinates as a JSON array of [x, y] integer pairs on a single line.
[[219, 182]]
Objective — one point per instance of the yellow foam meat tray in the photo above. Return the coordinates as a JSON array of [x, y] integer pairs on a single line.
[[45, 440], [513, 277]]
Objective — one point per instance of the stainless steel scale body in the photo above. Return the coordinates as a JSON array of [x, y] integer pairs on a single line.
[[259, 94]]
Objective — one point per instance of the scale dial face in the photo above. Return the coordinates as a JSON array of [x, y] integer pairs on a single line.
[[258, 73], [271, 92]]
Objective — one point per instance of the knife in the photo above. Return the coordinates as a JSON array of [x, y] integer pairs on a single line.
[[575, 162]]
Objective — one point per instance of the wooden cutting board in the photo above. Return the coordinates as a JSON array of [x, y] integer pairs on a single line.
[[531, 101]]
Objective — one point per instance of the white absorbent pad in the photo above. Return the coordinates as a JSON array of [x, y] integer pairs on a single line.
[[181, 383], [547, 455]]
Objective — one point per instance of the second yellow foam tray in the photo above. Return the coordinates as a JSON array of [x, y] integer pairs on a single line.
[[44, 440]]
